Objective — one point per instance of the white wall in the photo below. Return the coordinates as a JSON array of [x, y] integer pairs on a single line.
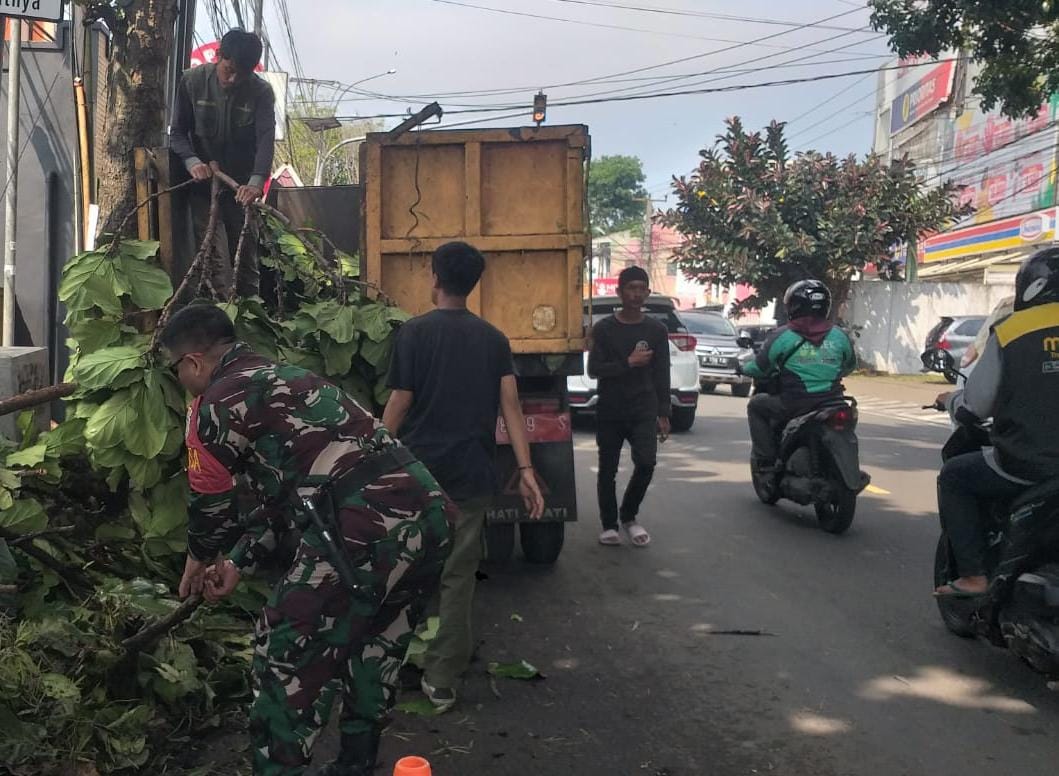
[[897, 317]]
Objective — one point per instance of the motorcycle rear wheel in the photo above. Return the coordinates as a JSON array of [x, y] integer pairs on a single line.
[[836, 516], [954, 612]]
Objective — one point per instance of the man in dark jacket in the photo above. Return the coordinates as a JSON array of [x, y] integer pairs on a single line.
[[630, 359], [1015, 382], [225, 119], [808, 357]]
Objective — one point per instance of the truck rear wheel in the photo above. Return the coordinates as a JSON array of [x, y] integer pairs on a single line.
[[542, 542], [499, 542]]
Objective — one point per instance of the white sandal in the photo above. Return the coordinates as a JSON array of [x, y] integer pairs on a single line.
[[610, 538], [637, 534]]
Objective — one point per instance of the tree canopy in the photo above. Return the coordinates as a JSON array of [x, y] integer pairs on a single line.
[[1015, 42], [752, 214], [616, 193]]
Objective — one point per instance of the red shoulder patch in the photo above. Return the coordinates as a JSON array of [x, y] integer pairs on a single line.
[[206, 475]]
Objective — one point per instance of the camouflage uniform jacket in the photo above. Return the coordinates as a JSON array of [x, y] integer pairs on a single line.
[[277, 425]]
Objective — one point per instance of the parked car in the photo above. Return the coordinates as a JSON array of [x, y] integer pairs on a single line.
[[683, 366], [717, 352], [954, 334]]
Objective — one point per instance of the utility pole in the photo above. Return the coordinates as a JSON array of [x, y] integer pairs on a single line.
[[14, 94]]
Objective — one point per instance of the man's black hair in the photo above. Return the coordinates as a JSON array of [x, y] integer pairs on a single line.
[[459, 267], [242, 48], [197, 328], [631, 275]]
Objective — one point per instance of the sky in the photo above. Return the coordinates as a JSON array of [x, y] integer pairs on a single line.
[[445, 49]]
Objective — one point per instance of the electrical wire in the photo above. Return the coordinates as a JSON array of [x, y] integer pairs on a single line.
[[709, 14], [654, 96], [583, 23]]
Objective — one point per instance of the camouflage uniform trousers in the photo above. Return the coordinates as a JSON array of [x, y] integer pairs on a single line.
[[317, 640]]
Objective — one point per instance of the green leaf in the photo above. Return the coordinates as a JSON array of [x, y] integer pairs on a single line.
[[113, 423], [24, 516], [8, 567], [101, 368], [150, 287], [139, 250], [519, 670], [30, 457], [339, 322], [291, 245], [146, 438], [78, 271], [348, 266], [168, 508], [6, 498], [28, 430], [143, 472], [382, 394], [338, 357], [374, 320], [375, 352], [421, 707], [91, 284], [66, 439], [114, 531], [174, 394], [61, 689], [93, 334]]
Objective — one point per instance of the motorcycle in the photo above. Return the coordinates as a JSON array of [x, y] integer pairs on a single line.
[[1020, 610], [819, 464]]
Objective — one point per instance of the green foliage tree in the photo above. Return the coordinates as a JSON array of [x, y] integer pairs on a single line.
[[303, 146], [752, 214], [1015, 42], [616, 194]]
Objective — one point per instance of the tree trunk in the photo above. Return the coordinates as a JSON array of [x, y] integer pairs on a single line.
[[142, 44]]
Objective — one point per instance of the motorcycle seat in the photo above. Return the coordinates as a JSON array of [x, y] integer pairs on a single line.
[[1044, 491]]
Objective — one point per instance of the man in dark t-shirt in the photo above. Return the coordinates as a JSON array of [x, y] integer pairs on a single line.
[[630, 359], [452, 375]]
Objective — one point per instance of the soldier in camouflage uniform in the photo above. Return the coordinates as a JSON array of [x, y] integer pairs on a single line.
[[294, 435]]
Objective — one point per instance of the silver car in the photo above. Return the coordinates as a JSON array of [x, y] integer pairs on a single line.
[[718, 352], [954, 334]]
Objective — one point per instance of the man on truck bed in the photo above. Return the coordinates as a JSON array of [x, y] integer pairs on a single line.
[[451, 373], [374, 536], [630, 358], [225, 118]]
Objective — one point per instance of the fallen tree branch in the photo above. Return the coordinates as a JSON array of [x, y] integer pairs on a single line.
[[118, 235], [240, 251], [70, 577], [57, 531], [149, 634], [200, 262], [24, 401]]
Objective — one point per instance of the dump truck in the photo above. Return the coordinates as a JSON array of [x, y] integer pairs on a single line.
[[518, 195]]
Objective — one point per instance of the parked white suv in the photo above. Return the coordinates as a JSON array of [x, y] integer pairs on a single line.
[[683, 364]]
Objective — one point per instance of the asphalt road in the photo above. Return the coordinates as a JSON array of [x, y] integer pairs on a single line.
[[856, 674]]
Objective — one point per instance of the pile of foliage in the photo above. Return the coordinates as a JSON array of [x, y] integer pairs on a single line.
[[93, 512], [752, 213]]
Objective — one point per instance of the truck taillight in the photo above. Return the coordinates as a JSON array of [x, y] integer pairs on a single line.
[[684, 342]]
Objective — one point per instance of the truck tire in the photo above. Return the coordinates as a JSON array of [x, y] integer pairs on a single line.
[[683, 418], [499, 542], [542, 542], [742, 390]]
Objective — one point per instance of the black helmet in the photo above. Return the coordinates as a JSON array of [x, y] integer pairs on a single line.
[[807, 297], [1038, 279]]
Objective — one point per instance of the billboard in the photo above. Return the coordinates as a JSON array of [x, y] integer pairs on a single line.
[[921, 88], [1006, 167], [1006, 234]]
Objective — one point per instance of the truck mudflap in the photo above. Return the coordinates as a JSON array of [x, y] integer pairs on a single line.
[[551, 440]]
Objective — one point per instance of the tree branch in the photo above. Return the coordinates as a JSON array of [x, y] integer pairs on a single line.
[[119, 234], [70, 577], [148, 635], [35, 398], [240, 251]]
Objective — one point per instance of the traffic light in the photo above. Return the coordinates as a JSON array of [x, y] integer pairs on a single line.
[[540, 107]]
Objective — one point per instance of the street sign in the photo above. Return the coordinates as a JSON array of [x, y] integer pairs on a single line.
[[52, 10]]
